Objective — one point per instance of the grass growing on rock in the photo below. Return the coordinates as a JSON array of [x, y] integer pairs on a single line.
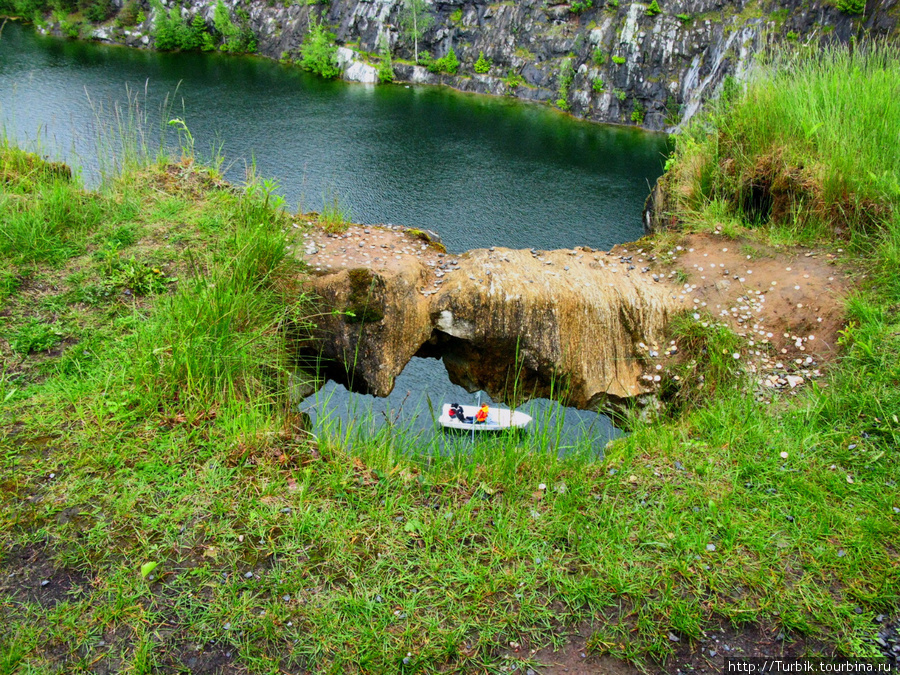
[[157, 428]]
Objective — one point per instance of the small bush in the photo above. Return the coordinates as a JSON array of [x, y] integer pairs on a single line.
[[597, 85], [792, 36], [683, 18], [851, 6], [128, 15], [386, 68], [619, 60], [482, 65], [579, 6], [318, 53], [619, 94], [513, 79], [446, 64], [456, 15], [599, 57], [637, 115], [653, 9]]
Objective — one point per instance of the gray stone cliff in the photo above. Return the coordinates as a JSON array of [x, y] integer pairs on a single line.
[[617, 61]]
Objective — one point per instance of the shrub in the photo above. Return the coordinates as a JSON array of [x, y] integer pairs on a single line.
[[792, 36], [482, 65], [612, 4], [599, 57], [619, 60], [386, 68], [579, 6], [597, 85], [97, 11], [445, 64], [456, 15], [637, 115], [425, 58], [128, 15], [235, 39], [513, 79], [683, 18], [619, 94], [653, 9], [318, 53], [851, 6]]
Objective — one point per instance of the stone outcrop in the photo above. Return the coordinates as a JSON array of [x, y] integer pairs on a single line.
[[605, 60], [567, 323]]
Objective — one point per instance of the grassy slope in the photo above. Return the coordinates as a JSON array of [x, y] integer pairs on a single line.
[[166, 429]]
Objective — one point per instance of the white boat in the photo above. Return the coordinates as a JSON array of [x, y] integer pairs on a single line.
[[498, 419]]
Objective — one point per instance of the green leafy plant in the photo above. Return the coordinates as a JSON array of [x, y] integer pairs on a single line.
[[598, 56], [566, 77], [513, 79], [792, 36], [318, 53], [612, 4], [619, 60], [235, 38], [851, 6], [653, 9], [683, 18], [482, 65], [637, 115], [597, 85], [128, 15], [579, 6], [385, 67], [456, 15], [446, 64], [619, 94]]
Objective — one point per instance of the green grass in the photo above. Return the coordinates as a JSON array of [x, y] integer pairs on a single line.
[[166, 425]]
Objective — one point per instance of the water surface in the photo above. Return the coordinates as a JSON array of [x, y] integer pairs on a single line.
[[479, 170]]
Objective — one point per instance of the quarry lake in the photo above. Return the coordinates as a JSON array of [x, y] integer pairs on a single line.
[[479, 171]]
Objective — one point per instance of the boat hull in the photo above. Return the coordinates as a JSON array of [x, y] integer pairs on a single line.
[[499, 419]]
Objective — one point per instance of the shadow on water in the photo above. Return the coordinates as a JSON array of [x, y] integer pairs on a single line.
[[412, 408]]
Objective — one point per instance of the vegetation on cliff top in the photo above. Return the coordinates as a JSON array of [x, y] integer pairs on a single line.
[[146, 419]]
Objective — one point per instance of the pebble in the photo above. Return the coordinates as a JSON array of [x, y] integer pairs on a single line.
[[710, 547], [841, 553], [44, 583], [248, 575], [674, 638], [227, 626]]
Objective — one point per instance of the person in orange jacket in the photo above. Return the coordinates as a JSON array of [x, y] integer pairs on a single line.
[[482, 414]]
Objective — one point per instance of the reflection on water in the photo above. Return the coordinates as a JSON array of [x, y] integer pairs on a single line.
[[414, 405]]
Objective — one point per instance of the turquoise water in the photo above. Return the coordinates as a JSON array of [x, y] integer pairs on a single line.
[[478, 170]]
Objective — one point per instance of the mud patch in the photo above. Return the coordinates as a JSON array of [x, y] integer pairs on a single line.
[[28, 575]]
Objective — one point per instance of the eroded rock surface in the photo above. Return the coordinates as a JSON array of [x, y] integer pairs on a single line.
[[511, 322]]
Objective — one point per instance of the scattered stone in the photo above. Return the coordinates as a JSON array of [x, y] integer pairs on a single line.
[[674, 638], [45, 582], [841, 553], [248, 575], [710, 547]]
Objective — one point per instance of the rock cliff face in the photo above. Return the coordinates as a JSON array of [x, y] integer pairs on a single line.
[[515, 323], [606, 60]]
